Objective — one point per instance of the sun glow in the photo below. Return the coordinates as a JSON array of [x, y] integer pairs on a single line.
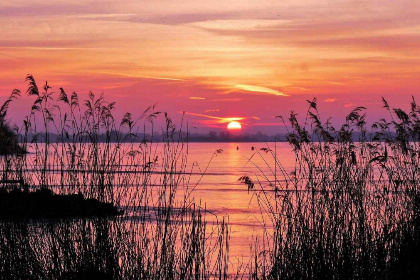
[[234, 125]]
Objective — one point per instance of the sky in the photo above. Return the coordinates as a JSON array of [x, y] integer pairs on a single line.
[[217, 61]]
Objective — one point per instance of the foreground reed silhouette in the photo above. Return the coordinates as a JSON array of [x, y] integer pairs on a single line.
[[350, 208], [9, 144], [162, 234]]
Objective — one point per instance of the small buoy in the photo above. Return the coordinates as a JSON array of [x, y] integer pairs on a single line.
[[252, 148], [237, 147]]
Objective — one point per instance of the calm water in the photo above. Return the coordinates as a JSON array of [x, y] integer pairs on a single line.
[[223, 195], [213, 176], [218, 190]]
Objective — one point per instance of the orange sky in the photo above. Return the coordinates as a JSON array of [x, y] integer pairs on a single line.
[[217, 59]]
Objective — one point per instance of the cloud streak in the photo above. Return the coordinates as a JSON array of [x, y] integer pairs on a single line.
[[260, 89], [236, 56], [218, 119]]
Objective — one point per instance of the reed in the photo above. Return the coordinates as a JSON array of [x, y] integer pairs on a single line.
[[78, 147], [349, 208]]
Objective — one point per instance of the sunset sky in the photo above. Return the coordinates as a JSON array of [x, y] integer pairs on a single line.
[[218, 61]]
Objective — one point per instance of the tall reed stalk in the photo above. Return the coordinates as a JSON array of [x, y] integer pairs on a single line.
[[79, 147], [349, 207]]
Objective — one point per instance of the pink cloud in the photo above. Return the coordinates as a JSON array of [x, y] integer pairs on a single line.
[[330, 100], [349, 105]]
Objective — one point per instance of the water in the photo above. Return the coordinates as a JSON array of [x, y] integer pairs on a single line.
[[212, 171], [214, 180], [223, 195]]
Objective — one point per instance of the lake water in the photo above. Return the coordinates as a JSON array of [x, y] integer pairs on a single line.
[[209, 170], [214, 180], [223, 195], [123, 173]]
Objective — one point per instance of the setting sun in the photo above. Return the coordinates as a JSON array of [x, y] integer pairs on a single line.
[[234, 125]]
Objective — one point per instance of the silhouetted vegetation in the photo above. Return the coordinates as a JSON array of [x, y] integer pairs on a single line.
[[347, 210], [162, 233], [43, 203], [8, 140]]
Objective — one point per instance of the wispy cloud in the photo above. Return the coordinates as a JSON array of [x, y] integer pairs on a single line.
[[195, 51], [226, 99], [218, 119], [330, 100], [268, 124], [260, 89]]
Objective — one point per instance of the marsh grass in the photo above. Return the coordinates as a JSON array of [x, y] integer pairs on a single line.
[[78, 147], [9, 144], [349, 209]]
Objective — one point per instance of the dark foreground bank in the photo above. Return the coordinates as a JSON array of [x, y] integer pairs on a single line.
[[43, 203]]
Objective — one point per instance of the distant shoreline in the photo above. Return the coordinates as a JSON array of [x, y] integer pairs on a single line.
[[184, 137]]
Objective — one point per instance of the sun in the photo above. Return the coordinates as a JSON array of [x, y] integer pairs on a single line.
[[234, 125]]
